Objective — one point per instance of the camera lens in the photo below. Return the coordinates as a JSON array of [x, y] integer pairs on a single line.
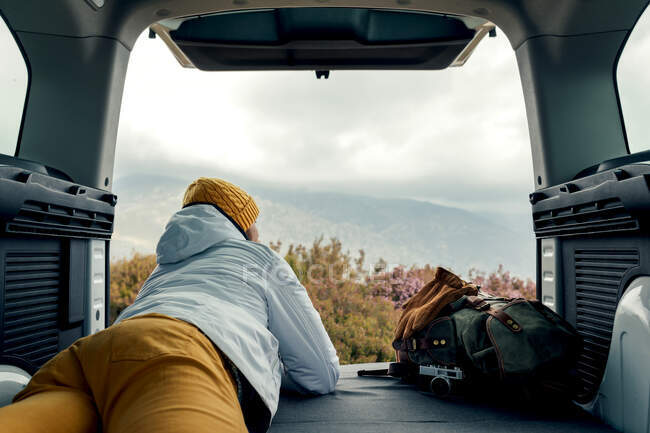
[[440, 386]]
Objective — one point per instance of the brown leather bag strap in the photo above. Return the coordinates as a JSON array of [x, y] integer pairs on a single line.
[[411, 344], [479, 304], [505, 318], [406, 344]]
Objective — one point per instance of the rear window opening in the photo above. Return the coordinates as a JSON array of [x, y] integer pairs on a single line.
[[415, 168], [633, 84], [14, 79]]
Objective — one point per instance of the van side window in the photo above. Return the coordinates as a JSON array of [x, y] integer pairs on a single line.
[[633, 80], [13, 88]]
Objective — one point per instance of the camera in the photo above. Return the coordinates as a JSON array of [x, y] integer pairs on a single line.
[[440, 381]]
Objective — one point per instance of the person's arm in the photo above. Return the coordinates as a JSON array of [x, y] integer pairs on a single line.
[[310, 362], [288, 384]]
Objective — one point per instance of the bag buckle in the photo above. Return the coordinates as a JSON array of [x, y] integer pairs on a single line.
[[477, 303]]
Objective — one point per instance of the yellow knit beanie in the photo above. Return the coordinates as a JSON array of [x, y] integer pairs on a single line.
[[231, 199]]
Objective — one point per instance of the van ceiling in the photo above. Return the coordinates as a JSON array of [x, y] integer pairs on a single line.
[[321, 38], [125, 20]]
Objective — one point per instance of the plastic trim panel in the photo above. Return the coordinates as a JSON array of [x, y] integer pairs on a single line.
[[623, 400]]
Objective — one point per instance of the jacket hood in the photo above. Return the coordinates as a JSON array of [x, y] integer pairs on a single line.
[[193, 230]]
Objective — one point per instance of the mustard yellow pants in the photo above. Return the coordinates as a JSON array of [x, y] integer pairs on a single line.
[[150, 373]]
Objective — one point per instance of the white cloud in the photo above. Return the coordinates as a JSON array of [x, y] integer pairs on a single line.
[[457, 136]]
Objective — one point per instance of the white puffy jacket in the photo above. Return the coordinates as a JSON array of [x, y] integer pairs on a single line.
[[245, 298]]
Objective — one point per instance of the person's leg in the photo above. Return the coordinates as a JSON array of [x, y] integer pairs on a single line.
[[56, 400], [176, 395], [53, 411], [165, 376]]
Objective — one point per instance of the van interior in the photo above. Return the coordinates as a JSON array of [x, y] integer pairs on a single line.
[[589, 206]]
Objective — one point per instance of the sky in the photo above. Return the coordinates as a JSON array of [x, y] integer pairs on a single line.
[[456, 137], [634, 85], [13, 86]]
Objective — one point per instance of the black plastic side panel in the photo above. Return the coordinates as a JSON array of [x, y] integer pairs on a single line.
[[33, 166], [36, 204], [597, 271], [46, 226], [615, 162], [42, 296], [32, 284], [75, 304], [602, 226]]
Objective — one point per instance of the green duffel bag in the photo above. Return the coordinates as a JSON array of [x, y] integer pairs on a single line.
[[515, 346]]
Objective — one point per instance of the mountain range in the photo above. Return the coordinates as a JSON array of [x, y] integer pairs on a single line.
[[398, 230]]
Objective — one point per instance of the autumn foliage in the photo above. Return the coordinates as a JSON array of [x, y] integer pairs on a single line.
[[359, 305], [127, 276]]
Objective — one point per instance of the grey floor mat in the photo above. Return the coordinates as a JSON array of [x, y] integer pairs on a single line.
[[377, 405]]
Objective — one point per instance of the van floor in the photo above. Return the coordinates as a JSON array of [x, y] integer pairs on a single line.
[[378, 405]]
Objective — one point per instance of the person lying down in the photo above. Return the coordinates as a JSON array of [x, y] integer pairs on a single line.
[[220, 324]]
